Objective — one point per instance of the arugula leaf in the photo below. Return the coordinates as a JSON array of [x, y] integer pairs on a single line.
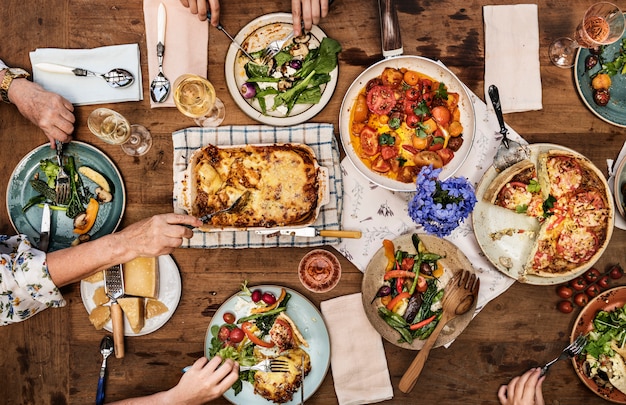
[[325, 60], [291, 94]]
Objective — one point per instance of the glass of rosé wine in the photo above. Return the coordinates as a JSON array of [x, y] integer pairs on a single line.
[[602, 24]]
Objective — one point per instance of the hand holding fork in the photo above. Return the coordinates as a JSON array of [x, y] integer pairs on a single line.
[[574, 349]]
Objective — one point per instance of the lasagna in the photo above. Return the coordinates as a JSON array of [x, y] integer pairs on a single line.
[[281, 182]]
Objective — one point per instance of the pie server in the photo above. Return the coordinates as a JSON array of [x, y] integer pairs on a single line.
[[311, 232], [114, 288]]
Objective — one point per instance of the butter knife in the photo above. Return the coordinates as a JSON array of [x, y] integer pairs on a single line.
[[311, 232], [44, 232]]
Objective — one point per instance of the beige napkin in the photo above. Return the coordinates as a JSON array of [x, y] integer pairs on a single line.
[[512, 56], [359, 365], [186, 43], [89, 90]]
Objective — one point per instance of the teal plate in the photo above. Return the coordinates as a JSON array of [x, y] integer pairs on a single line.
[[19, 192], [310, 323], [615, 111]]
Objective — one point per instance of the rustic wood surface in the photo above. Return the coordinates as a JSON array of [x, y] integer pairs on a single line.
[[54, 358]]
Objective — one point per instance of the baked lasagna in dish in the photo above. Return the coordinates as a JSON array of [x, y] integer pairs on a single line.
[[281, 182]]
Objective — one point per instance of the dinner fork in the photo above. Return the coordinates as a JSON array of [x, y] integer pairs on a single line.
[[273, 48], [273, 365], [570, 351], [62, 188]]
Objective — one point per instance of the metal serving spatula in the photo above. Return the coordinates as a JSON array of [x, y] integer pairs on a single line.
[[114, 288]]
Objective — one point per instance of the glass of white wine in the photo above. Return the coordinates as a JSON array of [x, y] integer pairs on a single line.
[[113, 128], [602, 24], [195, 97]]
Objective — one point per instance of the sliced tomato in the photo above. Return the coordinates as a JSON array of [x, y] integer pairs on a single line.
[[381, 165], [425, 158], [381, 99], [446, 155], [369, 141], [388, 152]]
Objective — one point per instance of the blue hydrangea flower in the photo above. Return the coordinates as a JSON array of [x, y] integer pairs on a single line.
[[441, 206]]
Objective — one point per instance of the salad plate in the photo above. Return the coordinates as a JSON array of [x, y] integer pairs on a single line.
[[453, 261], [310, 323], [170, 290], [19, 192], [606, 301], [615, 111], [255, 36]]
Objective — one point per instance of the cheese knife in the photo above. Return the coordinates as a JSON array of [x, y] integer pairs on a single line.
[[44, 232], [310, 232]]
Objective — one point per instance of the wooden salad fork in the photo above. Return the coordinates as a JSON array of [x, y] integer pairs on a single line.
[[459, 296]]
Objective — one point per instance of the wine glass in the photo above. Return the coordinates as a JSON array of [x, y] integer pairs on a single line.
[[602, 24], [113, 128], [195, 97]]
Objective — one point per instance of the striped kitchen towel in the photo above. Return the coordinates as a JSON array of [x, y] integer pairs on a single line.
[[320, 137]]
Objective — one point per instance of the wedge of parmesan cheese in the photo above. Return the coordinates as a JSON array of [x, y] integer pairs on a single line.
[[100, 297], [141, 277], [95, 278], [133, 308], [100, 316], [155, 308]]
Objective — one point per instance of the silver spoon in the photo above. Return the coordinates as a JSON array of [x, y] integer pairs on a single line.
[[160, 86], [106, 348], [117, 78]]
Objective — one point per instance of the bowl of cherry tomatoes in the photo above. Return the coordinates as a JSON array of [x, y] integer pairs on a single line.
[[404, 113]]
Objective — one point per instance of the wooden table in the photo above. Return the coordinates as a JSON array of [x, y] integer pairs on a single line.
[[54, 357]]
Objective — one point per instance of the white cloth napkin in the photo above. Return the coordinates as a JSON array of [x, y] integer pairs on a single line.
[[512, 56], [359, 365], [382, 214], [186, 43], [89, 90], [620, 222]]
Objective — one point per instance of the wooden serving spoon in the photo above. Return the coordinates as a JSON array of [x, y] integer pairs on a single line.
[[459, 296]]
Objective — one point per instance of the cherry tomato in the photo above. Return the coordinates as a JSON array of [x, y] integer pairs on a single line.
[[581, 299], [565, 306], [578, 283], [411, 77], [223, 334], [442, 115], [256, 295], [592, 290], [603, 282], [381, 165], [369, 141], [380, 99], [591, 275], [391, 76], [445, 154], [412, 120], [236, 335], [564, 292], [410, 106], [616, 272], [269, 298], [360, 109], [388, 152], [412, 94], [229, 317]]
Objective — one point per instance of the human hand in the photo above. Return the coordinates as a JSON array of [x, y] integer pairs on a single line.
[[201, 7], [523, 390], [157, 235], [205, 381], [308, 11], [49, 111]]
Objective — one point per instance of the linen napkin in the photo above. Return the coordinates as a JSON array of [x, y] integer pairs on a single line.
[[320, 137], [89, 90], [186, 43], [359, 366], [383, 214], [620, 222], [512, 56]]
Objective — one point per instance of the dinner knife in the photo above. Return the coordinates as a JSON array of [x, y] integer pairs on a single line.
[[311, 232], [44, 232]]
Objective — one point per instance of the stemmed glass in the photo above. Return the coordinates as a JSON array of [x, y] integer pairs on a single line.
[[602, 24], [113, 128], [195, 97]]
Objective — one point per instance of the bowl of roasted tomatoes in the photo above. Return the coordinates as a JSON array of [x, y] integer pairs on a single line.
[[404, 113]]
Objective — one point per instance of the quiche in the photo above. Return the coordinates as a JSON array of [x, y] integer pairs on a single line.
[[567, 194], [283, 184]]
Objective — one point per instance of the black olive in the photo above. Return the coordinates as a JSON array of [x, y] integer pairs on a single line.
[[601, 97], [426, 269], [415, 302], [591, 61]]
